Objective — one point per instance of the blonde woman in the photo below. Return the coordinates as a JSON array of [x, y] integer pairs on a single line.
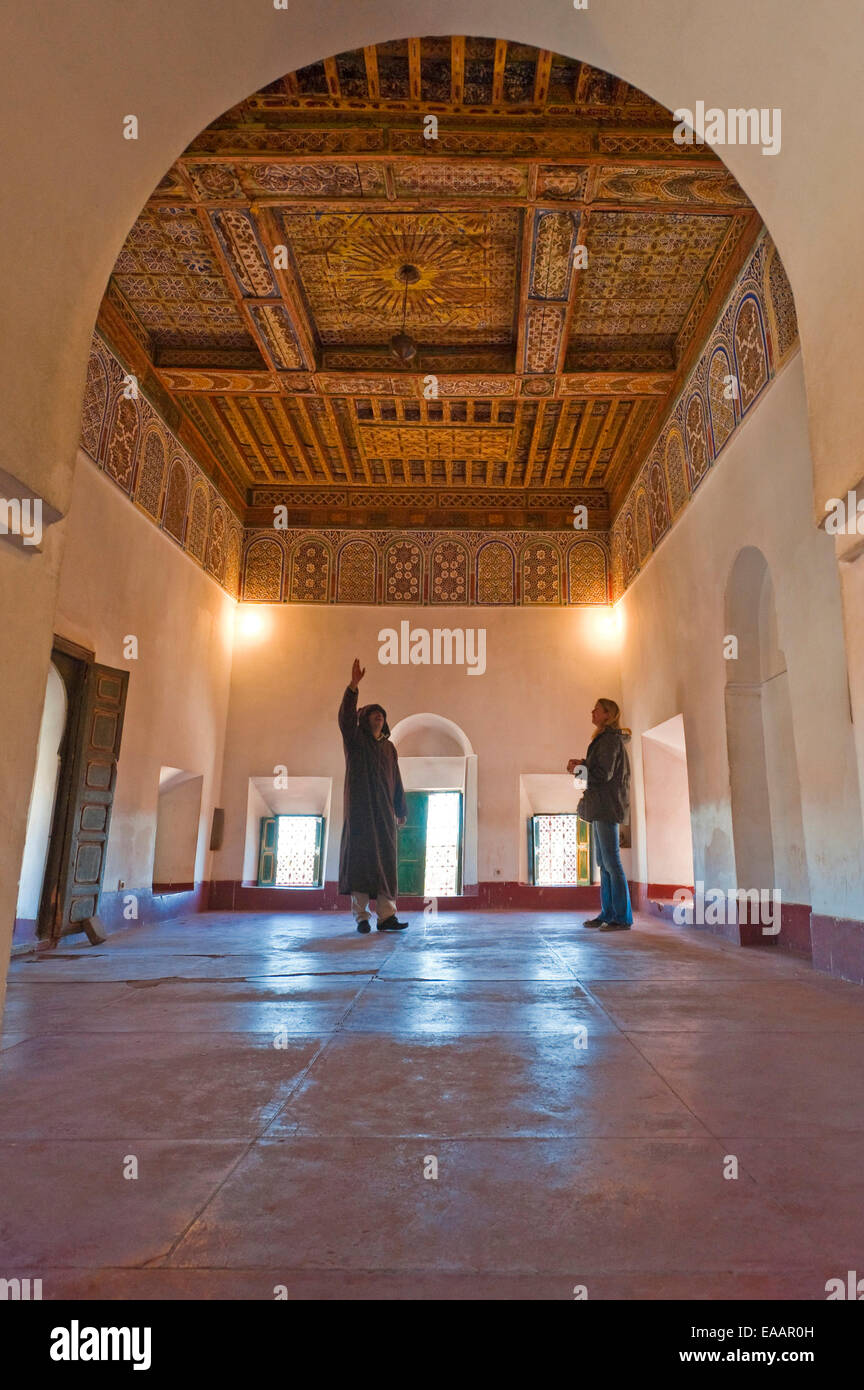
[[605, 804]]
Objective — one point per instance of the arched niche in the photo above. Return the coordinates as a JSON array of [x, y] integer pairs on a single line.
[[435, 754]]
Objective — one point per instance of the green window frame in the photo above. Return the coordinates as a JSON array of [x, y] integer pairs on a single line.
[[268, 850]]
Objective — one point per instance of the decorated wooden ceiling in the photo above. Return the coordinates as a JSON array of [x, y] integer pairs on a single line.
[[258, 291]]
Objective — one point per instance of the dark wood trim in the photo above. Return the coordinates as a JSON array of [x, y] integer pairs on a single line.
[[73, 649]]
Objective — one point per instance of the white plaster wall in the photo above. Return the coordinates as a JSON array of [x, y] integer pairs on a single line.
[[121, 577], [759, 493], [530, 712]]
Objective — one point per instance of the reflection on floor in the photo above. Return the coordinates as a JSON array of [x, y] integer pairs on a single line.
[[284, 1084]]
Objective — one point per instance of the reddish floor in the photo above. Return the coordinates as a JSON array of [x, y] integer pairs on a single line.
[[302, 1164]]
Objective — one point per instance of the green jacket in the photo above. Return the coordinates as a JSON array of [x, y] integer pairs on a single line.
[[607, 796]]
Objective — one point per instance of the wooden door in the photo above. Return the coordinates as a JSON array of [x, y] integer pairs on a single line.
[[267, 852], [94, 730], [412, 846]]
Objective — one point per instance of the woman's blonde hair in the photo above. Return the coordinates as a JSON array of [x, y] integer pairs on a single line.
[[614, 720]]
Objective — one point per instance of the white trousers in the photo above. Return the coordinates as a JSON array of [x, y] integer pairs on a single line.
[[360, 907]]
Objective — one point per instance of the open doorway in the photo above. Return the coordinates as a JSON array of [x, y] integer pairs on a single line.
[[42, 802], [430, 845], [73, 794], [668, 832]]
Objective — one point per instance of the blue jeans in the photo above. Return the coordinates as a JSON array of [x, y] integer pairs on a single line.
[[614, 893]]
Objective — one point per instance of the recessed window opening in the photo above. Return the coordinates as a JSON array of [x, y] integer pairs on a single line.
[[561, 850], [298, 851]]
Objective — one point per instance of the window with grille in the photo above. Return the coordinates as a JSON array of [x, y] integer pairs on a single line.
[[290, 851], [560, 847]]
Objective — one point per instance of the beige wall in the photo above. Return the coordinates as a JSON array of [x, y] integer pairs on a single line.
[[121, 577], [530, 712], [758, 494]]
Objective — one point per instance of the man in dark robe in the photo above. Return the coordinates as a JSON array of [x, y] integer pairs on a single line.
[[374, 802]]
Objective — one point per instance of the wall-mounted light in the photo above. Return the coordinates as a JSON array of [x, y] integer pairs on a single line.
[[251, 622], [608, 624]]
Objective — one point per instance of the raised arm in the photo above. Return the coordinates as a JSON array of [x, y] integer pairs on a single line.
[[348, 707]]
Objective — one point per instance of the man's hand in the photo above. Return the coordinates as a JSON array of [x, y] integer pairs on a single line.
[[400, 821], [357, 674], [574, 763]]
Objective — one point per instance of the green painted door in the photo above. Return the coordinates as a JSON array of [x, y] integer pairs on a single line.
[[412, 845]]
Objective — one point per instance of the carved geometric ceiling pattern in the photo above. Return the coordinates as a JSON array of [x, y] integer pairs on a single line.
[[258, 290], [348, 265]]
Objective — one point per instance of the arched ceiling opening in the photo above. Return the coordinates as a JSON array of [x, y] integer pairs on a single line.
[[257, 292]]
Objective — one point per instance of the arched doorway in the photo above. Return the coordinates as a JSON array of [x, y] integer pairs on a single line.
[[439, 773], [767, 823], [42, 801]]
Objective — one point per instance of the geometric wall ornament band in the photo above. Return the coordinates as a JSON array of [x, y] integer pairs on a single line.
[[755, 332], [452, 568]]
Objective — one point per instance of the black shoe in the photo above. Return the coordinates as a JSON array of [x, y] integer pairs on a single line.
[[614, 926], [594, 922], [392, 924], [364, 925]]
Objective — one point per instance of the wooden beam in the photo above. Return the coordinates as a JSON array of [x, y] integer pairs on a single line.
[[535, 443], [517, 423], [629, 431], [287, 462], [332, 72], [578, 442], [524, 288], [601, 442], [541, 77], [414, 69], [553, 446], [314, 437], [222, 409], [299, 447], [261, 435], [271, 237], [370, 57], [498, 72], [616, 480], [330, 411], [239, 299], [575, 287], [582, 83], [457, 71]]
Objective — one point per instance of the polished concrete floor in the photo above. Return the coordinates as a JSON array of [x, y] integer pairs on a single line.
[[287, 1087]]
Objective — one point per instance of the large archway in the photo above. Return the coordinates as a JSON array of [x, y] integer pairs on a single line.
[[50, 331]]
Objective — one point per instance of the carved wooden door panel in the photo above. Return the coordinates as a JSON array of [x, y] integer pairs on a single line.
[[92, 780]]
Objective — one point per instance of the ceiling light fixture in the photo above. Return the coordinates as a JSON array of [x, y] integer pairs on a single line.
[[402, 345]]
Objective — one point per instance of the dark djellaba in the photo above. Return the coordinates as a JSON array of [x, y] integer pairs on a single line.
[[374, 803]]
